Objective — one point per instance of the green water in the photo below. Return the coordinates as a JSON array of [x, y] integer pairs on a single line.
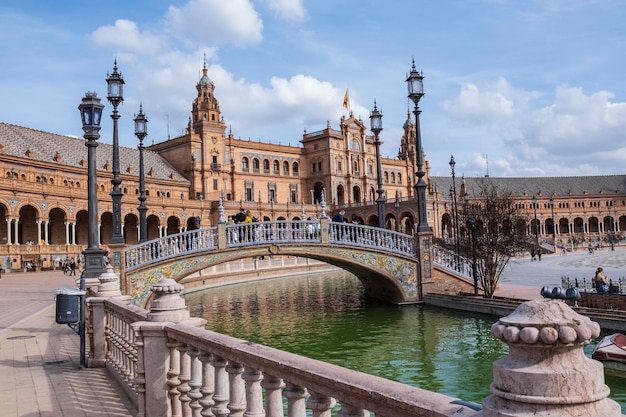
[[327, 317]]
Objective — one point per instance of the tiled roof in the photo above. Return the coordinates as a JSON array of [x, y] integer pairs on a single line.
[[18, 140], [539, 186]]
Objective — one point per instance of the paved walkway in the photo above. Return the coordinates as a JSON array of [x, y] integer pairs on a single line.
[[40, 360], [524, 278]]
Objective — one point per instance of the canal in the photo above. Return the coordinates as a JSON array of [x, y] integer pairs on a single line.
[[328, 317]]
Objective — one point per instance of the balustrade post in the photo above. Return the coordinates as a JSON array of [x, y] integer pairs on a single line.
[[273, 396], [221, 387], [195, 382], [208, 384], [183, 378], [321, 405], [348, 410], [324, 229], [546, 372], [254, 394], [295, 395], [237, 403]]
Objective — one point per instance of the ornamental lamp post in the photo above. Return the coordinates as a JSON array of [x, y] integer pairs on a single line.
[[536, 225], [376, 120], [551, 202], [611, 229], [415, 84], [396, 206], [91, 115], [141, 131], [455, 213], [115, 96]]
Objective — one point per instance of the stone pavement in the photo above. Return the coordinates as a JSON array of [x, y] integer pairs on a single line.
[[523, 278], [40, 360]]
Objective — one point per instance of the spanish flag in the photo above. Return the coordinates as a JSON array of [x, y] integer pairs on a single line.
[[346, 100]]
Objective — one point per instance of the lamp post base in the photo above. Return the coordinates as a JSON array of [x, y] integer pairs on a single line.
[[94, 262]]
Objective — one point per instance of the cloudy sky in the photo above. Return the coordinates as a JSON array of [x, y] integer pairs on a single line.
[[513, 87]]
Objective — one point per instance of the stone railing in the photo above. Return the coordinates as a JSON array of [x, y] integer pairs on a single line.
[[451, 261], [171, 366]]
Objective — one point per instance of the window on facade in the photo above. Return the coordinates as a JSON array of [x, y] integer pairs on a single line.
[[266, 166], [370, 169], [245, 167], [393, 178], [386, 177], [271, 195], [294, 196], [319, 166], [285, 168], [249, 194], [399, 178], [313, 166], [255, 166], [215, 184], [295, 169], [276, 167], [339, 167]]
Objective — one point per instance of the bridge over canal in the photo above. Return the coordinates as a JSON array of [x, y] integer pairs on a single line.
[[385, 261]]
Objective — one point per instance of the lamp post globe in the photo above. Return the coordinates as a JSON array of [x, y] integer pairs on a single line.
[[141, 131], [376, 126]]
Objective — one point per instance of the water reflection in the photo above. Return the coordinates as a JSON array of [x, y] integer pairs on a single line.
[[328, 317]]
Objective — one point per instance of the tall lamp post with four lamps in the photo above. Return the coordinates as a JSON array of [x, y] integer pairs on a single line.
[[376, 119], [471, 227], [551, 202], [141, 131]]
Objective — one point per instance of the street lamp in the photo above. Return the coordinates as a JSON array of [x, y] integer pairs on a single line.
[[396, 206], [471, 228], [611, 230], [91, 115], [141, 131], [115, 96], [455, 213], [551, 202], [376, 120], [536, 225], [415, 84]]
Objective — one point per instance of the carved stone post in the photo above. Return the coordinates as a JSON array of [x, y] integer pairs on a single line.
[[546, 372], [160, 361], [109, 287]]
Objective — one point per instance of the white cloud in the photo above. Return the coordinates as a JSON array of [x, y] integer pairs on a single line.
[[216, 21], [292, 10], [126, 35]]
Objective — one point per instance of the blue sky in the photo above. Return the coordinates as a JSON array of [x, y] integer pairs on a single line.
[[513, 87]]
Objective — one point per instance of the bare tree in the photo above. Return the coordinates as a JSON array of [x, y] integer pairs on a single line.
[[494, 235]]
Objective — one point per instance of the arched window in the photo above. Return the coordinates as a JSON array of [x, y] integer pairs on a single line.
[[295, 169], [386, 177], [245, 167], [399, 178], [285, 168], [393, 178], [255, 165], [266, 166], [276, 166]]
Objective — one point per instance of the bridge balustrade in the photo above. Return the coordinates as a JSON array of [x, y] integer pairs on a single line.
[[279, 231], [371, 237], [449, 260], [171, 246]]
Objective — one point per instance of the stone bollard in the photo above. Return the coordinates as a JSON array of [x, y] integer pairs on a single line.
[[546, 372], [157, 359]]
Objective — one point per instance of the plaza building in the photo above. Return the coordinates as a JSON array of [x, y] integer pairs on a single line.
[[43, 187]]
